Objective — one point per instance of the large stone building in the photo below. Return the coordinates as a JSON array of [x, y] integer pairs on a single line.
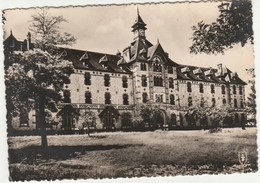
[[111, 86]]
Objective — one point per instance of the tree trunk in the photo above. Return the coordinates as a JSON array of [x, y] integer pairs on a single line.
[[42, 123]]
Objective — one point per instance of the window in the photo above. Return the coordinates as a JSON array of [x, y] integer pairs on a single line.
[[189, 87], [126, 119], [170, 70], [172, 99], [171, 85], [125, 99], [235, 103], [158, 98], [66, 95], [234, 90], [212, 87], [124, 80], [240, 90], [241, 104], [201, 88], [144, 81], [190, 101], [223, 89], [88, 98], [66, 79], [213, 101], [224, 101], [145, 97], [87, 78], [143, 66], [157, 67], [107, 80], [107, 98], [158, 81]]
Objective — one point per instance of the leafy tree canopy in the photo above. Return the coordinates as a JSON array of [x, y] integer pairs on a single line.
[[233, 26], [46, 30], [36, 71]]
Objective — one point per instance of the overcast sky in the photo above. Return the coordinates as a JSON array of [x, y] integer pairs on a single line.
[[108, 29]]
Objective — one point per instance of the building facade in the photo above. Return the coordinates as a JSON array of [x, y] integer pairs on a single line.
[[112, 86]]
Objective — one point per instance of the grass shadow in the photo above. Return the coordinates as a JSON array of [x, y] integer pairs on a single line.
[[35, 154]]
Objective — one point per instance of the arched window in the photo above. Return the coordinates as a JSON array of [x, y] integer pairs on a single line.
[[190, 101], [88, 98], [212, 87], [125, 99], [126, 119], [124, 80], [171, 85], [213, 100], [106, 80], [87, 78], [172, 99], [240, 90], [234, 90], [223, 89], [145, 97], [189, 87], [143, 66], [66, 95], [201, 88], [224, 101], [157, 67], [107, 98], [235, 103], [144, 81]]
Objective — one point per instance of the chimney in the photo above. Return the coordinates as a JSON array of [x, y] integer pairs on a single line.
[[220, 69]]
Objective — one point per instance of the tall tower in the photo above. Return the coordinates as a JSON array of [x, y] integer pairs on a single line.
[[139, 27]]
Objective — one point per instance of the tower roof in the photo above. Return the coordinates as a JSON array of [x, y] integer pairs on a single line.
[[139, 23]]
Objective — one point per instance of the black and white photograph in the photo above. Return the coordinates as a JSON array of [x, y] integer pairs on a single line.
[[129, 90]]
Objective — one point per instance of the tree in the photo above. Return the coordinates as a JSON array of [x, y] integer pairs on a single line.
[[233, 26], [86, 120], [251, 103], [37, 76], [46, 30], [34, 78], [148, 112]]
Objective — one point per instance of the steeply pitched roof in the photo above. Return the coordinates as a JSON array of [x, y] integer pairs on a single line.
[[94, 60], [185, 72]]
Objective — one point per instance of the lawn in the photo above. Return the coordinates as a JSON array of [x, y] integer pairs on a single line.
[[132, 154]]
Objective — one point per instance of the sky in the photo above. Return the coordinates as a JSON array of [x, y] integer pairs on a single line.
[[107, 29]]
